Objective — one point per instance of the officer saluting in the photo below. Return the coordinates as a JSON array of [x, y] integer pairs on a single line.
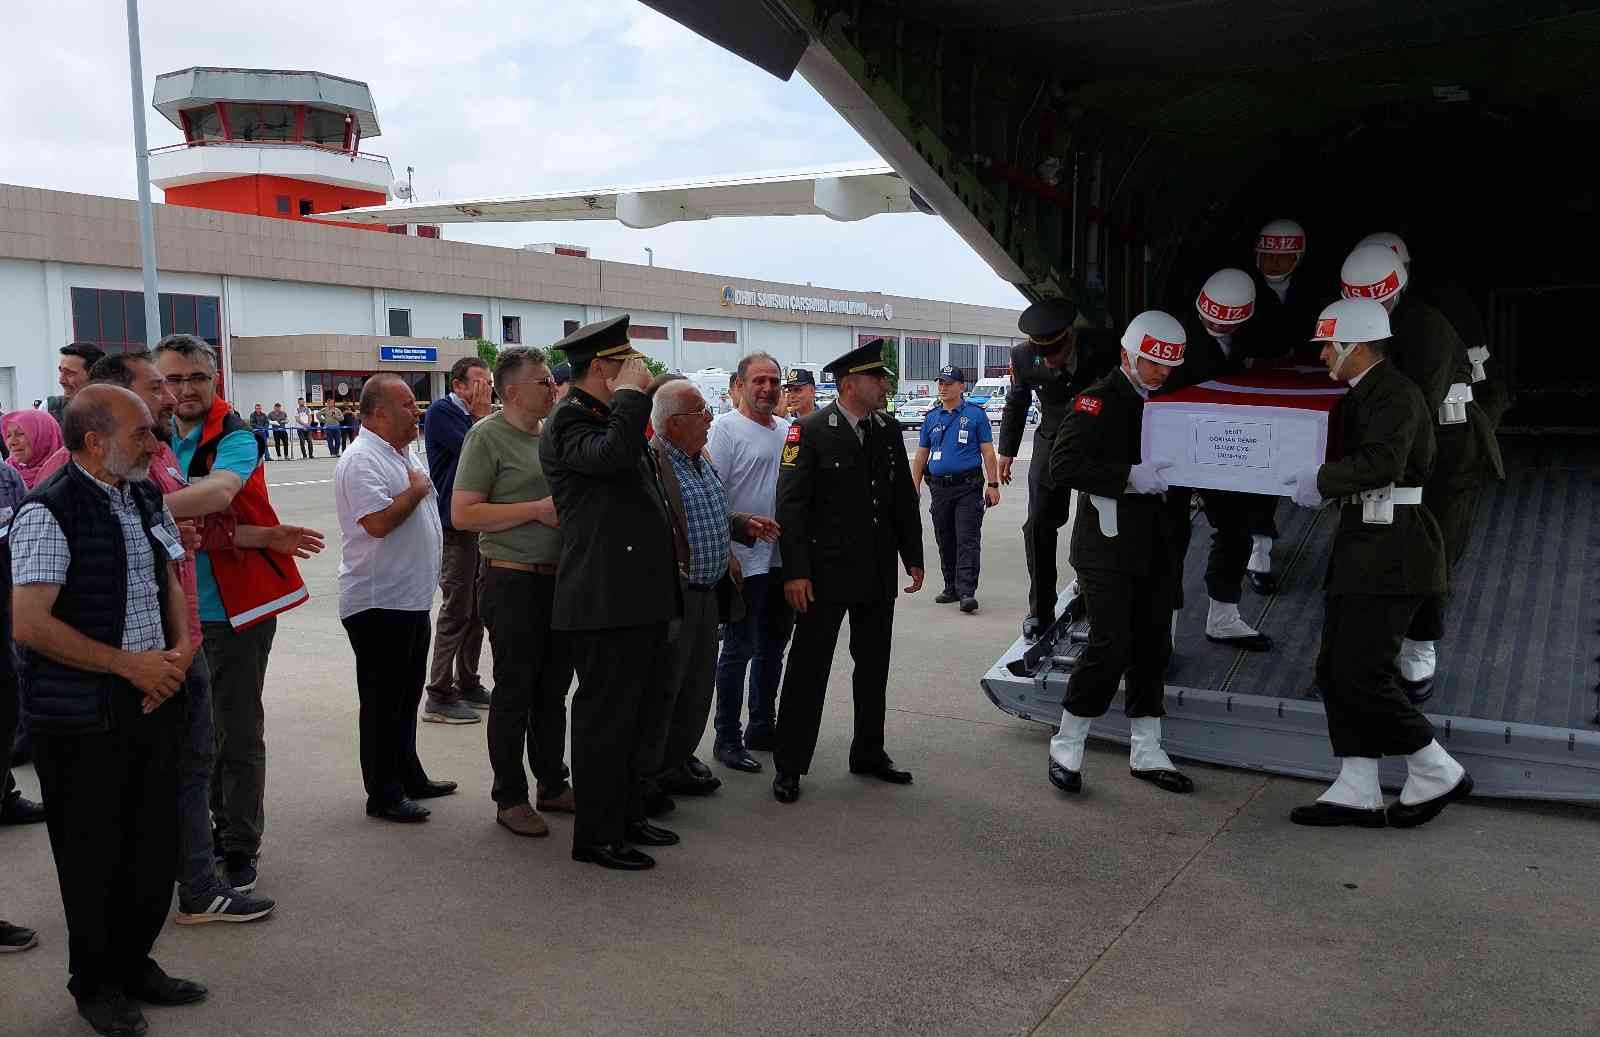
[[1055, 364], [617, 585], [956, 451], [799, 392], [1388, 557], [1122, 549], [849, 515]]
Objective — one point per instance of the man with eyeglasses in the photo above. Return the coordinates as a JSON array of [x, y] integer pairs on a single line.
[[502, 496], [241, 592]]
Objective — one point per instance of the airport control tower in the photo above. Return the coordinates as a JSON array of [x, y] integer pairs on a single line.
[[269, 143]]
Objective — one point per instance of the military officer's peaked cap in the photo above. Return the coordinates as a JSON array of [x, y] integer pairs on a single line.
[[799, 376], [604, 340], [864, 359], [1047, 321]]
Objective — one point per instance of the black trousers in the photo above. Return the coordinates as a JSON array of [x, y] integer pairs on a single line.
[[238, 662], [958, 528], [1048, 509], [111, 806], [1368, 714], [617, 668], [10, 707], [305, 441], [1454, 510], [280, 442], [805, 686], [391, 649], [1130, 633], [532, 673], [675, 713]]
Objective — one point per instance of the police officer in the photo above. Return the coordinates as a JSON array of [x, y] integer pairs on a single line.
[[1222, 310], [1388, 558], [1427, 350], [618, 587], [1122, 551], [799, 392], [955, 450], [1057, 363], [849, 516]]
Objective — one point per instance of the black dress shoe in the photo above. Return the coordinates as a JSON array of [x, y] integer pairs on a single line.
[[786, 787], [946, 596], [969, 605], [658, 804], [1065, 780], [1172, 781], [1402, 816], [1262, 583], [155, 987], [884, 771], [20, 811], [698, 769], [737, 759], [404, 810], [432, 790], [1332, 815], [616, 856], [111, 1013], [689, 785], [1417, 692], [1032, 629], [643, 833], [1253, 643], [761, 741]]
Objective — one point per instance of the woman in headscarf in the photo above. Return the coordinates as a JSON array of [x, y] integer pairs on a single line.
[[32, 436]]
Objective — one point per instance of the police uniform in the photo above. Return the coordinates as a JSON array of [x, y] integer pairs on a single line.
[[1047, 324], [849, 517], [954, 439], [1427, 350], [617, 594]]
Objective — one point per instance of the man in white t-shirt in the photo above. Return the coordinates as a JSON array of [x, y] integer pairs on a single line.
[[393, 541], [746, 445]]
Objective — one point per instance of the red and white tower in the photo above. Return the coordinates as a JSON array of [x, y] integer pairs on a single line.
[[268, 143]]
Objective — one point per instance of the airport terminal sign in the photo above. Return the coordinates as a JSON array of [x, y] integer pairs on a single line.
[[409, 354], [732, 296]]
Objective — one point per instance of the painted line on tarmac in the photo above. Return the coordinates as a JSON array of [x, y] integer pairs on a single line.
[[308, 482]]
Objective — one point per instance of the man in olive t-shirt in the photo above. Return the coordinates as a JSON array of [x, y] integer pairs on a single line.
[[502, 494]]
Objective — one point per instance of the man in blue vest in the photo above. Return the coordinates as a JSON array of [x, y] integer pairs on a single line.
[[955, 453]]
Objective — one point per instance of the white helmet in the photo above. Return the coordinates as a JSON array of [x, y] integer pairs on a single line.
[[1157, 336], [1352, 320], [1372, 272], [1389, 240], [1228, 297], [1284, 237], [1348, 323]]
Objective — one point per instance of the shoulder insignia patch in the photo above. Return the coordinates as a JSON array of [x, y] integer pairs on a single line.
[[794, 434], [833, 420], [790, 452], [1087, 405]]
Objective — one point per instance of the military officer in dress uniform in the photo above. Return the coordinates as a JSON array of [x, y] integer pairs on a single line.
[[849, 518], [955, 453], [1427, 350], [1057, 362], [618, 591], [1122, 551], [1388, 558], [1222, 311], [799, 392]]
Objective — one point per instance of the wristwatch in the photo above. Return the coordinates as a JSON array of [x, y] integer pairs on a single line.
[[993, 485]]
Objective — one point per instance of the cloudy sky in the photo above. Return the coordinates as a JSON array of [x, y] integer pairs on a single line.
[[492, 97]]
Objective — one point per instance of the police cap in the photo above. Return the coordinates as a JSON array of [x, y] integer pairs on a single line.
[[1047, 322], [561, 374], [604, 340], [951, 373], [865, 359], [798, 376]]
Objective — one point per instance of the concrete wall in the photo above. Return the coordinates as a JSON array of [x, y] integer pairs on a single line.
[[260, 307], [264, 387], [24, 325]]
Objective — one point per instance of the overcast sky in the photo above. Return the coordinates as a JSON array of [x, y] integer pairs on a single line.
[[492, 97]]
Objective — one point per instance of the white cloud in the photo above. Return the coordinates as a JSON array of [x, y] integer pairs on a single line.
[[489, 97]]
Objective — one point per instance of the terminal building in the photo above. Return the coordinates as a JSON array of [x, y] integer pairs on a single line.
[[303, 309]]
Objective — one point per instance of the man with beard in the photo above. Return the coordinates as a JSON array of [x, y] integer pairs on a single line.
[[101, 616]]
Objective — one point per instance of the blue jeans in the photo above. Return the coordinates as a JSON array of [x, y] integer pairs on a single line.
[[757, 641], [331, 434], [197, 755]]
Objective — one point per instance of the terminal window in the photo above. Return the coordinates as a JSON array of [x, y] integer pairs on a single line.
[[283, 204], [472, 325], [965, 356], [708, 335], [997, 361], [568, 327], [657, 332], [114, 319], [511, 330], [400, 322], [922, 358], [305, 207]]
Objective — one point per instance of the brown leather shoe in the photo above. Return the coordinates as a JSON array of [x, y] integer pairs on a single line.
[[564, 802], [521, 820]]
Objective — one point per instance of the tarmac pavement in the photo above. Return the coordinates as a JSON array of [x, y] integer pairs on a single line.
[[978, 900]]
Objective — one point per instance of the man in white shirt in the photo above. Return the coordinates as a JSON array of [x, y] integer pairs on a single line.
[[746, 445], [387, 573]]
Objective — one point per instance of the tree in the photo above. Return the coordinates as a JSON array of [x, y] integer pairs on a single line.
[[891, 360], [488, 352]]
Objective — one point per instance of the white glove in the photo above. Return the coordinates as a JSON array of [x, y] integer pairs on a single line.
[[1305, 491], [1148, 477]]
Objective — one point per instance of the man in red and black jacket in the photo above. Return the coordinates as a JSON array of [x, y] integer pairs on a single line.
[[241, 591]]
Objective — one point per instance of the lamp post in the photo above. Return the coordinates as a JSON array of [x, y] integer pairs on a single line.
[[141, 161], [650, 253]]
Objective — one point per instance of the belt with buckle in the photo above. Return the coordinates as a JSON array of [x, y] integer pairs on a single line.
[[542, 568], [958, 478], [703, 588]]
